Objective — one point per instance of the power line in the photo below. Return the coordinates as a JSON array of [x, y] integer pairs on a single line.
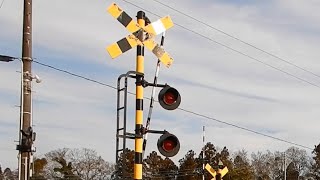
[[1, 4], [243, 128], [73, 74], [182, 109], [238, 39], [230, 48]]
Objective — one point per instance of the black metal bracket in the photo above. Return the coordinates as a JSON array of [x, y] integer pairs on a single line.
[[156, 85], [145, 83], [156, 131], [144, 131], [140, 79]]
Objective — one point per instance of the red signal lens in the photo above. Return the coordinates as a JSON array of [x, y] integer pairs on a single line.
[[168, 145], [169, 98]]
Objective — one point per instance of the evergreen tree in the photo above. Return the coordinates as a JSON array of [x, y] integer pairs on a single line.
[[188, 166], [241, 170], [292, 172], [38, 169], [210, 157], [157, 168], [152, 166], [1, 174], [126, 164], [315, 169], [168, 169]]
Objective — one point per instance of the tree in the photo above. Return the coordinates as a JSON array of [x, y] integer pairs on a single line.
[[224, 156], [315, 169], [87, 165], [152, 165], [210, 157], [84, 164], [277, 166], [300, 161], [261, 164], [156, 167], [125, 165], [188, 166], [38, 168], [9, 175], [1, 174], [168, 169], [292, 172], [241, 170], [58, 167]]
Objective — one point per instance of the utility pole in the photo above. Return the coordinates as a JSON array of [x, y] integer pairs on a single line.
[[26, 135]]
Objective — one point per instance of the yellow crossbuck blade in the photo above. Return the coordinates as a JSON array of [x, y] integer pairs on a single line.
[[213, 172], [131, 41]]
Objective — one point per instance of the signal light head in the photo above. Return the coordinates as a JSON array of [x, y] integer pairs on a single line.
[[169, 98], [168, 145]]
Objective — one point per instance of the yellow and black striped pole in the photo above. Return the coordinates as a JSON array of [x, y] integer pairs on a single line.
[[139, 102]]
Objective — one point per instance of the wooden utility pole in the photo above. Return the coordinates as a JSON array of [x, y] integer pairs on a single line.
[[26, 135]]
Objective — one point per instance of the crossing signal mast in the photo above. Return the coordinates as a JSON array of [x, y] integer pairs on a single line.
[[142, 35]]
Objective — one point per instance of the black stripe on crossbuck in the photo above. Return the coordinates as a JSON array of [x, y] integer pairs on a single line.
[[124, 19], [124, 45]]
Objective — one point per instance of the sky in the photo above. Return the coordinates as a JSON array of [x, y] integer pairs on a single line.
[[217, 76]]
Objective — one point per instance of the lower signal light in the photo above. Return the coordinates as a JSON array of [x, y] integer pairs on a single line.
[[168, 145]]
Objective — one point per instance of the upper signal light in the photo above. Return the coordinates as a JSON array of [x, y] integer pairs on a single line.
[[169, 98]]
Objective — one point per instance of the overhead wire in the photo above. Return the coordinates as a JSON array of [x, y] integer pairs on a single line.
[[238, 39], [1, 4], [73, 74], [182, 109], [243, 128], [230, 48]]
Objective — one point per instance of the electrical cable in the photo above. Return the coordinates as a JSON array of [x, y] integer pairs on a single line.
[[230, 48], [1, 4], [238, 39], [73, 74], [182, 109]]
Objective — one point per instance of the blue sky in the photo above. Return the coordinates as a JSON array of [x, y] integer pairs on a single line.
[[213, 81]]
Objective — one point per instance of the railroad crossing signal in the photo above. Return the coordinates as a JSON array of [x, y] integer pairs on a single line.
[[143, 35], [217, 174], [147, 33], [169, 98], [168, 145]]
